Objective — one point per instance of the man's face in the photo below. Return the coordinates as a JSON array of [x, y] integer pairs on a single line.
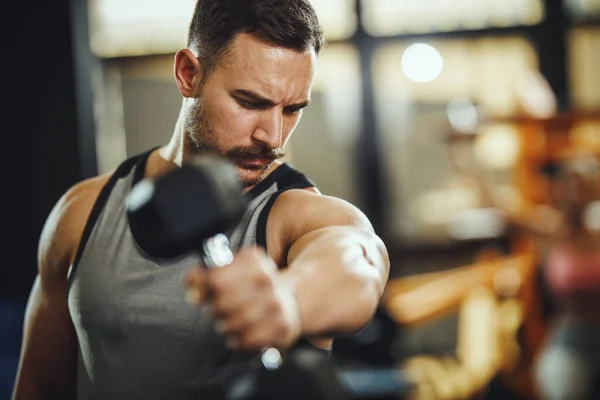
[[250, 105]]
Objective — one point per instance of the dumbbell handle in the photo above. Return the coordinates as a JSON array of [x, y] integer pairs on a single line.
[[217, 254]]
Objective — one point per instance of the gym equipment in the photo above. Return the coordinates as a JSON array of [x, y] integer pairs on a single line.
[[175, 214]]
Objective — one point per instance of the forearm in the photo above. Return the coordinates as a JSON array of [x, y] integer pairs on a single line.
[[338, 276]]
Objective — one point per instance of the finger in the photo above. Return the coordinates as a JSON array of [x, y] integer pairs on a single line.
[[252, 340], [195, 285], [231, 289], [239, 273], [261, 336], [257, 258], [245, 317], [227, 299], [248, 264]]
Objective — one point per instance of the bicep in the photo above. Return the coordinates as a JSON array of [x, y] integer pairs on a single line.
[[352, 242], [298, 212], [324, 218]]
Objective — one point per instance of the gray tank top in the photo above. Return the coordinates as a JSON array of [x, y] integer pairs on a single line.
[[137, 336]]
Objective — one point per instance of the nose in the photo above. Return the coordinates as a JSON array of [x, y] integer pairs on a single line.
[[270, 129]]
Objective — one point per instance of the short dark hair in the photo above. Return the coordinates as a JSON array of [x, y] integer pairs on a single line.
[[288, 23]]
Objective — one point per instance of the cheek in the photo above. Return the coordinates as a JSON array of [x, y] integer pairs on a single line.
[[233, 125]]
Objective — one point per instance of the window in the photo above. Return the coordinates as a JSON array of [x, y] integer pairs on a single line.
[[120, 28], [581, 10], [423, 192], [585, 82], [323, 146], [584, 67], [392, 17], [338, 18]]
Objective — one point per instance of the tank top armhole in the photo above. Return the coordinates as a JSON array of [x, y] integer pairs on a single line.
[[122, 171], [294, 180]]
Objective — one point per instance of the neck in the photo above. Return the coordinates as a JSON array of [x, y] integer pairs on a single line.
[[169, 156], [173, 151]]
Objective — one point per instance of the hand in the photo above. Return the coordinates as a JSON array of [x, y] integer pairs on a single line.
[[248, 303]]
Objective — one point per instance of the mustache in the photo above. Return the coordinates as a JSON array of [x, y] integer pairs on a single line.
[[246, 152]]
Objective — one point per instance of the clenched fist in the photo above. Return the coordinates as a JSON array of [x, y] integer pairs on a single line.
[[248, 303]]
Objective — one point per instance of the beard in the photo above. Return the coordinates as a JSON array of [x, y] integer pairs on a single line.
[[201, 138]]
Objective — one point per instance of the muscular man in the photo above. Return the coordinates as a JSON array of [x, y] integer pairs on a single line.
[[106, 320]]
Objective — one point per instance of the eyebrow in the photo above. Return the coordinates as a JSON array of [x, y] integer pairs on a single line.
[[263, 100]]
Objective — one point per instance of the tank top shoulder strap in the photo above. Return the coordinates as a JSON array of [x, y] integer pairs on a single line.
[[138, 162], [287, 178]]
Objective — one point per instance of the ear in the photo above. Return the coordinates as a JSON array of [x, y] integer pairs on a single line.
[[188, 72]]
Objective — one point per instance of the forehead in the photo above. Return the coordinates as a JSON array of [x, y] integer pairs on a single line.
[[266, 67]]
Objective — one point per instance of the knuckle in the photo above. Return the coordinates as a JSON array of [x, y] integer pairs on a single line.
[[252, 317], [245, 318], [263, 279], [255, 338], [273, 307], [257, 342], [245, 341], [249, 253], [239, 323], [229, 327], [217, 283]]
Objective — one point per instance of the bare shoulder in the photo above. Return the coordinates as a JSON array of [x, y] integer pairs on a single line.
[[298, 212], [314, 210], [64, 226]]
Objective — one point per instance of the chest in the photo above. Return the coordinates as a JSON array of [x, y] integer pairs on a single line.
[[117, 292]]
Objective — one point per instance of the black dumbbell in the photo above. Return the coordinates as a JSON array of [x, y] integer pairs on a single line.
[[372, 346], [308, 373], [178, 212]]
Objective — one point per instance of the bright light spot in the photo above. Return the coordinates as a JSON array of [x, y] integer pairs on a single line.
[[463, 115], [422, 63], [535, 95], [482, 223], [591, 216], [497, 147]]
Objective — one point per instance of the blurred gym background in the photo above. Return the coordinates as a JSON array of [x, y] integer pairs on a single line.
[[92, 83]]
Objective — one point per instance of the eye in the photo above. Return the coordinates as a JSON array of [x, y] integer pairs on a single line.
[[248, 104], [292, 110]]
